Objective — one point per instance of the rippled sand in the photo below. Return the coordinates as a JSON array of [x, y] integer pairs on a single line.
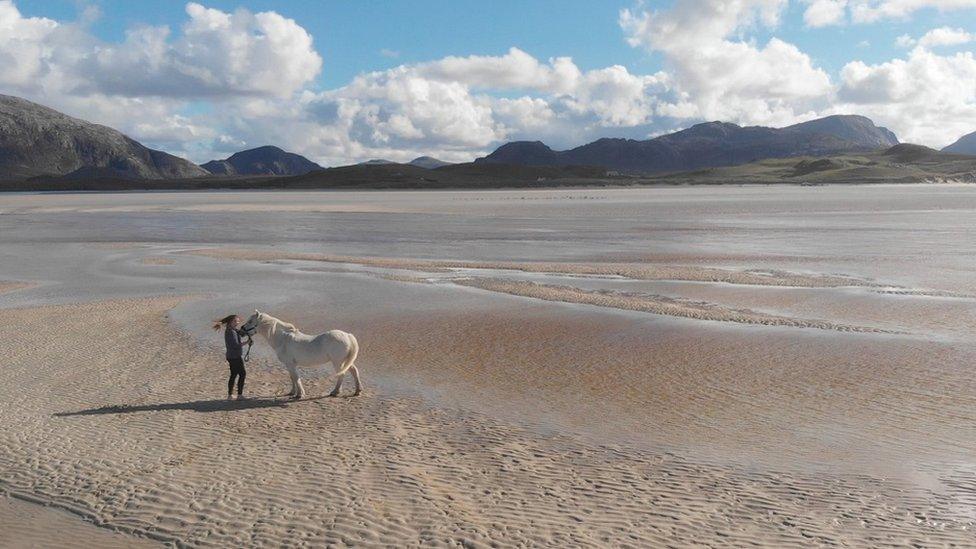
[[160, 455], [26, 524], [679, 367]]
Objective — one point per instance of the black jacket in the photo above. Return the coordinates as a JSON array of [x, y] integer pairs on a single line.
[[232, 339]]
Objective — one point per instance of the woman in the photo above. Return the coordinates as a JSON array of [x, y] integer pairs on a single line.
[[234, 354]]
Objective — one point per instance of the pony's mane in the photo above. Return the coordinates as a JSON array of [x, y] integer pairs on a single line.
[[288, 326]]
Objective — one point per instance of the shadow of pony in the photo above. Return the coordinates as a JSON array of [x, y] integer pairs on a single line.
[[203, 406]]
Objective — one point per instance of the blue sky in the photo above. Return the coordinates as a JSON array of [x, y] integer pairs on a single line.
[[446, 81]]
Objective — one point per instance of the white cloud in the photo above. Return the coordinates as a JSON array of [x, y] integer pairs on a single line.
[[942, 36], [869, 11], [715, 76], [820, 13], [925, 98], [524, 113], [615, 97], [23, 50], [514, 70], [831, 12], [217, 53], [945, 36], [905, 41]]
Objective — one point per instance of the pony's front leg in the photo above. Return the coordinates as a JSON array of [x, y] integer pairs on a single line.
[[293, 374], [297, 389]]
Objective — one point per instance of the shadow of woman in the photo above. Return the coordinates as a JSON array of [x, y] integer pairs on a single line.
[[216, 405]]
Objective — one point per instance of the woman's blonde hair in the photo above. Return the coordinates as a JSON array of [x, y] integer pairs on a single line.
[[223, 321]]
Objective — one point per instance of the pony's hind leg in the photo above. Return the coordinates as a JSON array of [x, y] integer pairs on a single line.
[[338, 385], [359, 383]]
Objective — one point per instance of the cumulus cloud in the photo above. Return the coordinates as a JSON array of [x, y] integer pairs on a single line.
[[217, 53], [23, 51], [926, 98], [942, 36], [717, 76], [820, 13], [831, 12], [514, 70], [945, 36]]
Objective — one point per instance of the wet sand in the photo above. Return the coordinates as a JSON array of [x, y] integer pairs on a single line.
[[594, 387]]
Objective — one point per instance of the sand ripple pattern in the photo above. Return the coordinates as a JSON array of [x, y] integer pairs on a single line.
[[137, 442]]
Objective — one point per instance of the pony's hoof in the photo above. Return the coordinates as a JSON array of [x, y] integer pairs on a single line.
[[357, 393], [334, 394]]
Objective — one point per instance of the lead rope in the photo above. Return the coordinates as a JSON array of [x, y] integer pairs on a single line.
[[250, 343]]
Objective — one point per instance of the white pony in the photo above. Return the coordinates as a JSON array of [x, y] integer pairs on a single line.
[[296, 349]]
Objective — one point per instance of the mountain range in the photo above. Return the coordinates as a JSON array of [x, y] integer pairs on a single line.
[[710, 144], [40, 143], [903, 163]]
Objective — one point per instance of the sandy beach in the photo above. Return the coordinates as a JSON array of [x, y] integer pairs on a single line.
[[658, 367]]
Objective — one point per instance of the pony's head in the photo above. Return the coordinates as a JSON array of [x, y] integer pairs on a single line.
[[252, 323]]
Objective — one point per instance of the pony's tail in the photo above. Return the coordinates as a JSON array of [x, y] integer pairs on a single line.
[[223, 321], [350, 358]]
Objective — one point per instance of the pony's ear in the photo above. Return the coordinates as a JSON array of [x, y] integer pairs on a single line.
[[257, 312]]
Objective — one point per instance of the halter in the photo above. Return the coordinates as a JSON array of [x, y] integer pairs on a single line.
[[248, 332]]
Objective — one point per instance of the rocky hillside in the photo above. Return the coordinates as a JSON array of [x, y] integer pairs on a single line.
[[36, 140], [902, 163], [262, 161], [964, 145], [710, 144]]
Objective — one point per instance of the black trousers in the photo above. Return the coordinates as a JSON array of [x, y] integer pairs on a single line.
[[236, 371]]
